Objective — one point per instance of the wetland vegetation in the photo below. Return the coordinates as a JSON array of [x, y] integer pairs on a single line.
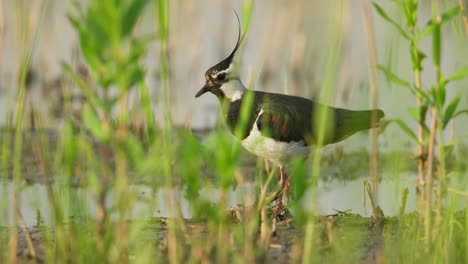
[[110, 174]]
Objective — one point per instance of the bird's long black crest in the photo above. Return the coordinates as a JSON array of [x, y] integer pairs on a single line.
[[224, 64]]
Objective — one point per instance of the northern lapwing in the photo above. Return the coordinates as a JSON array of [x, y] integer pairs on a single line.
[[279, 127]]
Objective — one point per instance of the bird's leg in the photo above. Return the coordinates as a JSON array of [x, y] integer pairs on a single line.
[[282, 180], [284, 185]]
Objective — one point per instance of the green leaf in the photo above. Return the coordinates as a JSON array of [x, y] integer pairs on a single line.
[[458, 75], [419, 114], [93, 123], [403, 127], [436, 43], [134, 150], [464, 111], [423, 94], [90, 54], [86, 42], [450, 110], [422, 114], [132, 75], [448, 150], [131, 15], [440, 20], [383, 125], [191, 154], [411, 12], [415, 113], [384, 15], [417, 57], [438, 94], [98, 29], [442, 94], [393, 77], [84, 87], [69, 144]]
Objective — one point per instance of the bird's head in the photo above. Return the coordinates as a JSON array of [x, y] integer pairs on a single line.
[[220, 74]]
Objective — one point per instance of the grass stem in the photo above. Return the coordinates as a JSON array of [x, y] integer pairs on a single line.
[[373, 98]]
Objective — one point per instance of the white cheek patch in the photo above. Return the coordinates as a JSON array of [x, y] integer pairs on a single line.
[[234, 90], [237, 95]]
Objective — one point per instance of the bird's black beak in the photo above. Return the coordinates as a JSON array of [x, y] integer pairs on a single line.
[[203, 90]]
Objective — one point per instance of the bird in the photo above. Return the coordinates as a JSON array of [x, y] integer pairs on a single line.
[[279, 127]]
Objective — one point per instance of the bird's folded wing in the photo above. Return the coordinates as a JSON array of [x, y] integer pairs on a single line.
[[284, 122]]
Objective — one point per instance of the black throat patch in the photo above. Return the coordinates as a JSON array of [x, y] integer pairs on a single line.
[[241, 114]]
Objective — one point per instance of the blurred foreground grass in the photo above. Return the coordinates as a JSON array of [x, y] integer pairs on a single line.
[[109, 145]]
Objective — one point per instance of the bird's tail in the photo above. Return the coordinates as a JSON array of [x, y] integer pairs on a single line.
[[349, 122]]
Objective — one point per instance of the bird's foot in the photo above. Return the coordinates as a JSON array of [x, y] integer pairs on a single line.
[[280, 211], [281, 198], [281, 202]]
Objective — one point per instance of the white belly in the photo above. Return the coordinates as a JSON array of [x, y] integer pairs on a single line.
[[275, 151]]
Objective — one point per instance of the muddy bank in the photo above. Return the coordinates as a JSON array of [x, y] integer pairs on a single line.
[[364, 239]]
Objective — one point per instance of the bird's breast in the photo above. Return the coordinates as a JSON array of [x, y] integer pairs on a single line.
[[278, 152], [240, 125]]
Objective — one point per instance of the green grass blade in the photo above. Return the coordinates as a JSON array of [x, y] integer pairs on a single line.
[[385, 16]]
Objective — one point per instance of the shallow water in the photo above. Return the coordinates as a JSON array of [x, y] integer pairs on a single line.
[[332, 196]]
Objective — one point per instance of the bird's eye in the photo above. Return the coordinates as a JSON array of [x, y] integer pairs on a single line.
[[221, 76]]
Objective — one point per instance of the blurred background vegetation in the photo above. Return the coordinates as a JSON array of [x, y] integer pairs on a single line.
[[105, 154], [285, 50]]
